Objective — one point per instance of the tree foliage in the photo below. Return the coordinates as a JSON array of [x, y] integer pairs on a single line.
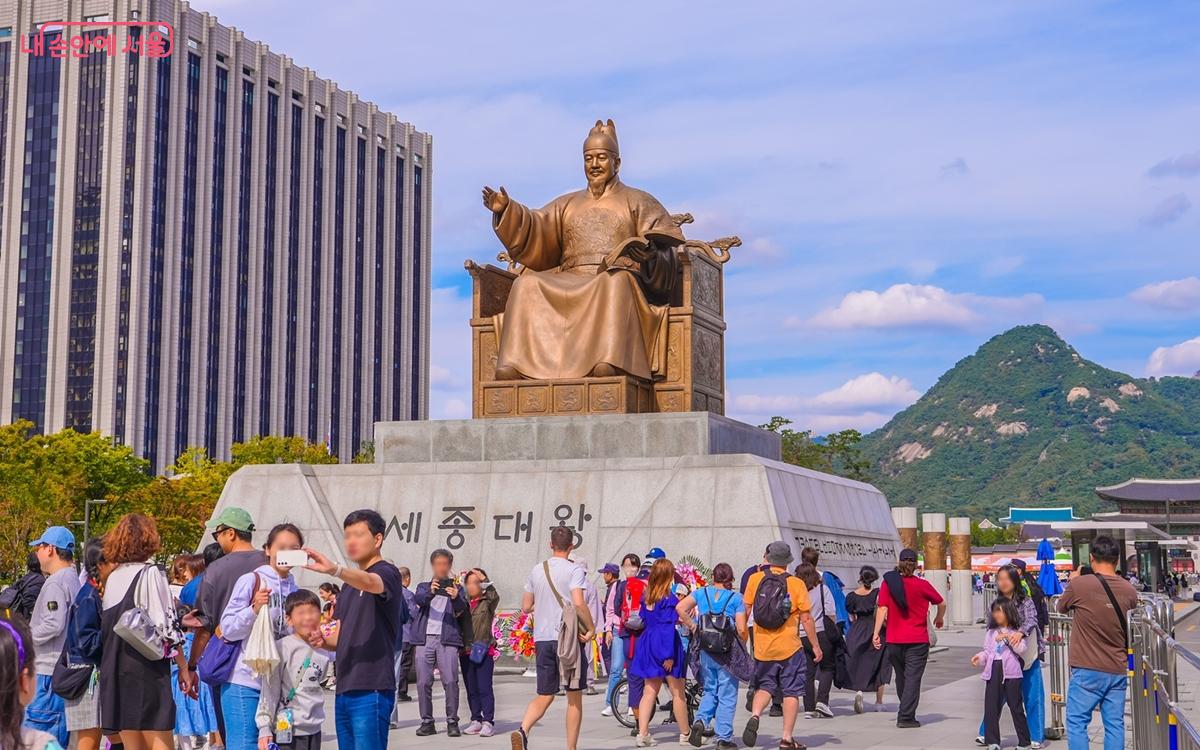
[[995, 535], [836, 453]]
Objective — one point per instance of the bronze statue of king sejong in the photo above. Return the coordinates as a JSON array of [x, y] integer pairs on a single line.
[[599, 265]]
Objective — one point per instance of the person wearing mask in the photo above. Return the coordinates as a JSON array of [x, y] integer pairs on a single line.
[[232, 529], [82, 647], [55, 550], [904, 601], [135, 692], [621, 601], [1099, 604], [718, 669], [438, 638], [18, 684], [781, 607], [818, 675], [293, 687], [477, 659], [22, 595], [1011, 586], [371, 612], [265, 586], [405, 648], [869, 668], [551, 585]]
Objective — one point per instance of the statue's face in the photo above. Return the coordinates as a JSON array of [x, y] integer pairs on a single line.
[[600, 165]]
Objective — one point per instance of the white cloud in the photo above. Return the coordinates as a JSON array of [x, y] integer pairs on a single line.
[[1168, 211], [911, 305], [454, 408], [863, 402], [1180, 359], [1177, 294], [867, 391]]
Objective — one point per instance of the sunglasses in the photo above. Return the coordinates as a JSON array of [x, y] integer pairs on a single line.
[[217, 532]]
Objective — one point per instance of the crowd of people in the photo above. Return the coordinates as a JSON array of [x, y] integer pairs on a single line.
[[228, 651]]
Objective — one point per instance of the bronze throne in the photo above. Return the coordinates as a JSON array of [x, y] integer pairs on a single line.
[[694, 374]]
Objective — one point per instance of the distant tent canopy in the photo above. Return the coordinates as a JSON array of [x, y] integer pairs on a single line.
[[1039, 515]]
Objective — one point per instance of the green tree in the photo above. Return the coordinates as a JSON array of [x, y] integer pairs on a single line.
[[366, 453], [272, 449], [837, 453], [996, 535]]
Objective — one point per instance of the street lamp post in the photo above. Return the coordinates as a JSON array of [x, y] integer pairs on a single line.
[[87, 519]]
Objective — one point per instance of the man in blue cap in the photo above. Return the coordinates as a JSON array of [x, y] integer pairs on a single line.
[[55, 550]]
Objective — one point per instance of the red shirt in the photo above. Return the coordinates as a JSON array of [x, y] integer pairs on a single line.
[[913, 627]]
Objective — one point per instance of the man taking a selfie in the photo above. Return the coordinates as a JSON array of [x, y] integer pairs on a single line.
[[437, 635]]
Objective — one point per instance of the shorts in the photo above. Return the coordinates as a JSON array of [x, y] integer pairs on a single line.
[[548, 680], [84, 712], [785, 677]]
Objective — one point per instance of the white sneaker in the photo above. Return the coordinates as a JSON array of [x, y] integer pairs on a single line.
[[980, 741], [607, 711], [645, 740], [685, 740], [473, 728], [487, 730], [825, 710], [811, 714], [858, 702]]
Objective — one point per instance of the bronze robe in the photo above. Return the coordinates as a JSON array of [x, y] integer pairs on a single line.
[[564, 315]]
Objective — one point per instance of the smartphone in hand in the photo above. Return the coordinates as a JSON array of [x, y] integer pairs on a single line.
[[291, 558]]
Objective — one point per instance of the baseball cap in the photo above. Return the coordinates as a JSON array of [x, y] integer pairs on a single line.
[[1017, 563], [59, 537], [908, 555], [655, 553], [235, 518], [611, 569], [779, 554]]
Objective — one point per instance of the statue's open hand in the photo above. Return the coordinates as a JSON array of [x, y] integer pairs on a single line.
[[495, 201]]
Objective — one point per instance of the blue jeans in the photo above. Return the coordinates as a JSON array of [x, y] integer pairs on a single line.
[[361, 718], [720, 697], [1088, 690], [47, 712], [1034, 698], [238, 704], [616, 667]]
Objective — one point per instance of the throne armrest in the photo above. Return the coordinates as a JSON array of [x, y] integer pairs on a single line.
[[490, 287]]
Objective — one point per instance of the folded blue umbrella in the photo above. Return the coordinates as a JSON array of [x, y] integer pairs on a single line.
[[1048, 579], [1045, 550]]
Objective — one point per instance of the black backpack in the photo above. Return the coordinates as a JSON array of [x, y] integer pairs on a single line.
[[715, 632], [772, 604]]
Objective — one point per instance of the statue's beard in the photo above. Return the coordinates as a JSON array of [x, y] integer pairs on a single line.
[[597, 183]]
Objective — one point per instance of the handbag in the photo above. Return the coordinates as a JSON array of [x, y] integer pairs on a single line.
[[220, 656], [136, 627], [70, 681], [479, 652]]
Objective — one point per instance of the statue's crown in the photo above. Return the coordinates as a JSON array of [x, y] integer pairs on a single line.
[[602, 135]]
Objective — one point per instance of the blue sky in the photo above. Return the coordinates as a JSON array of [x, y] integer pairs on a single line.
[[909, 179]]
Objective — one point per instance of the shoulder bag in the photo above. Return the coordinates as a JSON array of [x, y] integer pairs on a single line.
[[138, 629], [220, 656]]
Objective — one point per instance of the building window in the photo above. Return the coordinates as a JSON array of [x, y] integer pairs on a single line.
[[5, 55], [398, 298], [85, 241], [268, 280], [360, 220], [314, 317], [417, 335], [187, 252], [158, 215], [339, 250], [127, 214], [217, 258], [242, 320], [37, 237], [377, 333], [293, 275]]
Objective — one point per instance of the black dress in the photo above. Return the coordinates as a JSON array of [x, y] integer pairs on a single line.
[[868, 667], [135, 693]]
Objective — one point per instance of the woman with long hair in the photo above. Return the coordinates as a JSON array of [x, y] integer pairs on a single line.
[[869, 670], [135, 692], [265, 586], [1011, 584], [818, 675], [18, 685], [660, 655]]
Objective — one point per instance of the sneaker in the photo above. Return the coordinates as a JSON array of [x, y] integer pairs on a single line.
[[645, 740], [811, 714], [472, 728], [685, 740], [1035, 745], [425, 730], [994, 747], [726, 745], [452, 729], [487, 729], [908, 724], [519, 740], [880, 708], [981, 741], [607, 710], [858, 702], [776, 710], [696, 737], [591, 690], [750, 733], [825, 710]]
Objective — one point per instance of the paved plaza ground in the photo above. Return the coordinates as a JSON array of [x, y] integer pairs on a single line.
[[950, 711]]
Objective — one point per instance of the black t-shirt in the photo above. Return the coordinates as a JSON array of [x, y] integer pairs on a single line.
[[218, 582], [369, 627]]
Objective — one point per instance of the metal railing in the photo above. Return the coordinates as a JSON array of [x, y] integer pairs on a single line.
[[1158, 722]]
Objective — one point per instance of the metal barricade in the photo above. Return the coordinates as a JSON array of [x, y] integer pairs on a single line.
[[1058, 635]]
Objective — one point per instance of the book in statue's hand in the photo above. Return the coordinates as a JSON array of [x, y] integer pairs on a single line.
[[623, 248]]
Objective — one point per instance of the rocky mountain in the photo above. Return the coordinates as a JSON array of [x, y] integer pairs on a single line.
[[1026, 420]]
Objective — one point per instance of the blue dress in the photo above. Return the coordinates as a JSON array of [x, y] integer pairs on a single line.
[[193, 717], [659, 642]]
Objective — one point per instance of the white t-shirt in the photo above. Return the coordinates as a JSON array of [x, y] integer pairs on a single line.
[[547, 615]]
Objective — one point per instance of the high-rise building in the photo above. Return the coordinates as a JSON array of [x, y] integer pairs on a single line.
[[205, 246]]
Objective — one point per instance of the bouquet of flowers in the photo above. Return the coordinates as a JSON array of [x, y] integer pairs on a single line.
[[692, 572], [514, 634]]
